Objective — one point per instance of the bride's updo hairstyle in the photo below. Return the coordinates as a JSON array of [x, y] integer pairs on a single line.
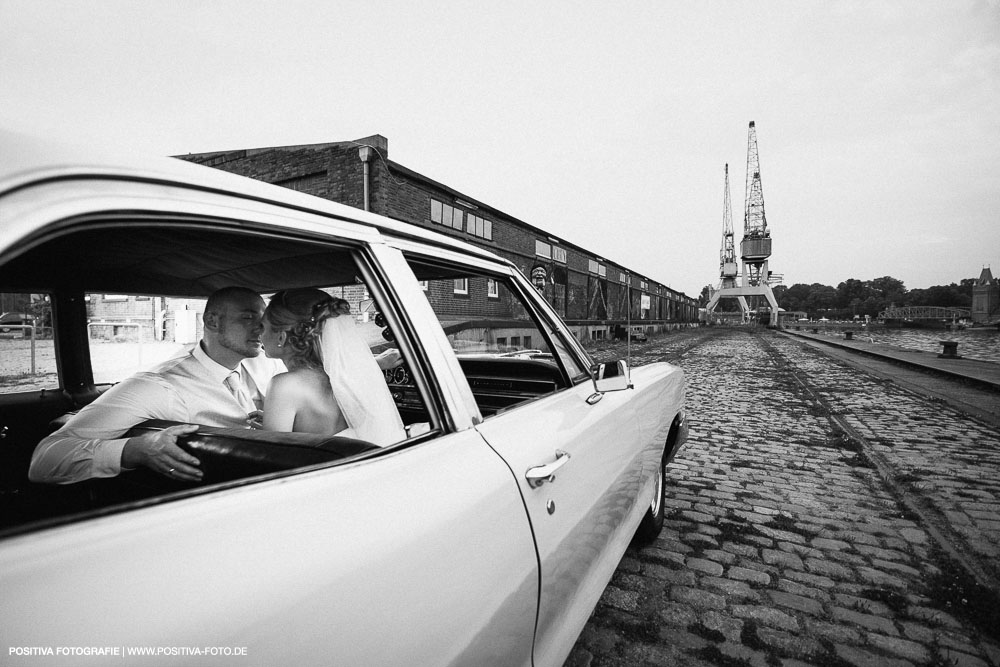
[[300, 314]]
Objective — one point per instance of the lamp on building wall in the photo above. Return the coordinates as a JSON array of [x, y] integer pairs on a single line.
[[364, 153]]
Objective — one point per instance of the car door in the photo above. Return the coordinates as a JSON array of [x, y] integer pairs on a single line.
[[580, 515], [583, 517], [423, 556]]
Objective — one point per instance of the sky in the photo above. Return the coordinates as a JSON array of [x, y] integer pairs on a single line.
[[607, 124]]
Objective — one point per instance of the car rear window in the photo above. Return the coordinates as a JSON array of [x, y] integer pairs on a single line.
[[27, 353]]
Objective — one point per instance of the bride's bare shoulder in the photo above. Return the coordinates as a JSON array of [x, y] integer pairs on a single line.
[[298, 382]]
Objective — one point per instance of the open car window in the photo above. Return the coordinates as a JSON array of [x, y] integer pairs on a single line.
[[505, 348], [128, 333]]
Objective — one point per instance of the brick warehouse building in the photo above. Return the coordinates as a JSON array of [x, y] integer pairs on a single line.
[[588, 291]]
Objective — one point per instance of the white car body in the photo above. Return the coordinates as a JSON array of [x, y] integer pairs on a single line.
[[437, 551]]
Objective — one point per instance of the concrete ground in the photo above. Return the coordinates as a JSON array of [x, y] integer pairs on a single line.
[[978, 398], [819, 515]]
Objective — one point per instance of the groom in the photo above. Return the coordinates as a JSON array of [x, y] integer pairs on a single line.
[[216, 384]]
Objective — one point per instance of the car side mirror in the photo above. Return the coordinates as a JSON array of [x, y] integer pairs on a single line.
[[611, 377]]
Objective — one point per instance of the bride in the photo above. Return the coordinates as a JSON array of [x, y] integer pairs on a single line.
[[333, 384]]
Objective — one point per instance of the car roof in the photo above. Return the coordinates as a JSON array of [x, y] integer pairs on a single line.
[[27, 160]]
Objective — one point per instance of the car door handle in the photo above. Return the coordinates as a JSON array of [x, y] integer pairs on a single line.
[[538, 475]]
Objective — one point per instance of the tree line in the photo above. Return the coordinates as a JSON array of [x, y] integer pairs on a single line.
[[860, 297]]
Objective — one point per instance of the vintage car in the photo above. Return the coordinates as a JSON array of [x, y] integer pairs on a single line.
[[484, 537]]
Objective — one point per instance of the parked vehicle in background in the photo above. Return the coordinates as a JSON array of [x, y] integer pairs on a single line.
[[484, 537], [8, 321]]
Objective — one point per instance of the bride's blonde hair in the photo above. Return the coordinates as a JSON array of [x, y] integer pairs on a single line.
[[300, 313]]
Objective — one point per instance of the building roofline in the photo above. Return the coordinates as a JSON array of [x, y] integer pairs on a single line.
[[381, 144], [409, 173], [377, 141]]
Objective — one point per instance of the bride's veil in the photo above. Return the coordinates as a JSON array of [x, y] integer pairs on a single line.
[[358, 383]]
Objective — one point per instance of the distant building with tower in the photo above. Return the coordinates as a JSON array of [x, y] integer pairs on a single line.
[[986, 299]]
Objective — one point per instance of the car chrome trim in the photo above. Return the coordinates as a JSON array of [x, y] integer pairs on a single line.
[[654, 506], [538, 475]]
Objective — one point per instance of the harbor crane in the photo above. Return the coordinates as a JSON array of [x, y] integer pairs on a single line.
[[755, 248]]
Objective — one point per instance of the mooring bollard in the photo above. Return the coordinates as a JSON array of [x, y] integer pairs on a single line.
[[950, 350], [848, 335]]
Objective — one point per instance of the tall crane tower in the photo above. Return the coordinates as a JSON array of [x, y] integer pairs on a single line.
[[728, 269], [755, 249], [727, 256], [756, 245]]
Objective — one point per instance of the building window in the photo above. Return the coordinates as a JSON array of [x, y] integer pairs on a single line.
[[643, 284], [461, 285], [621, 277], [550, 251], [456, 218], [479, 227], [492, 289], [424, 285], [444, 214], [597, 268]]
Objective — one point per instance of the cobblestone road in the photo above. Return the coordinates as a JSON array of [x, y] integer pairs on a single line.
[[817, 516]]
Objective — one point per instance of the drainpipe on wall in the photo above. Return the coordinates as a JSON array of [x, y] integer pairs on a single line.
[[364, 153]]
